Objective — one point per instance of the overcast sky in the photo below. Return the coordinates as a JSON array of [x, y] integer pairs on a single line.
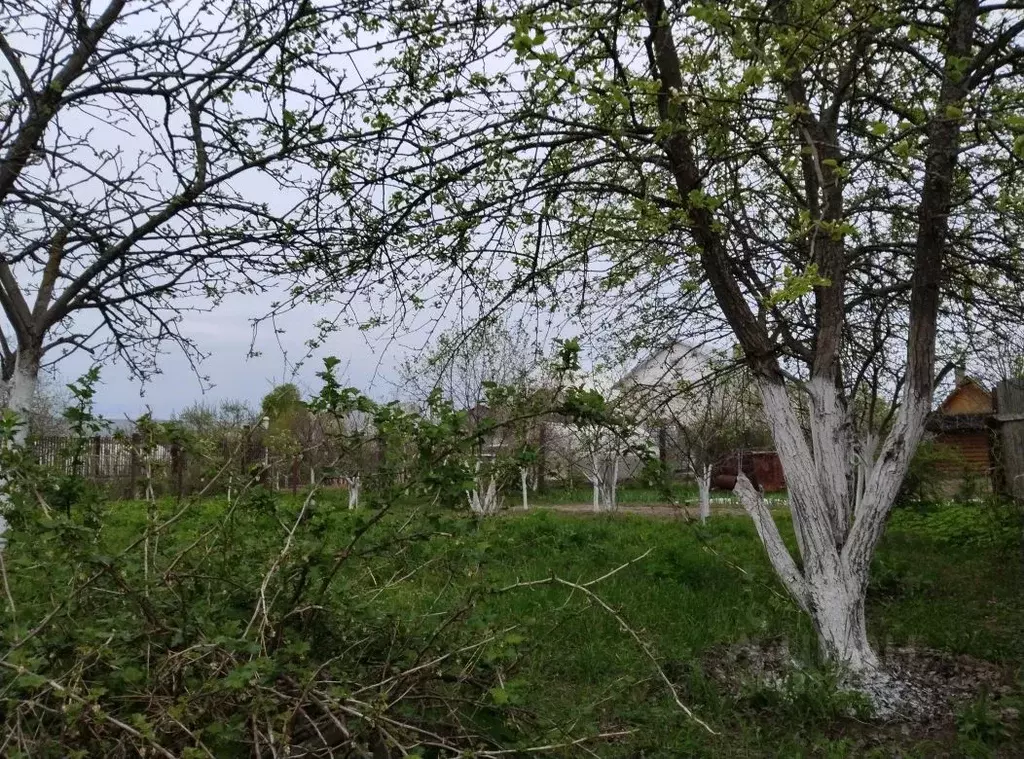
[[225, 334]]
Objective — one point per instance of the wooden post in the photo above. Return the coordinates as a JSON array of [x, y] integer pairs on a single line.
[[178, 470], [134, 466], [542, 457], [96, 470], [1009, 419]]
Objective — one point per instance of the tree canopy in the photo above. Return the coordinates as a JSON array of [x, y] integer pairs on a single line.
[[835, 184]]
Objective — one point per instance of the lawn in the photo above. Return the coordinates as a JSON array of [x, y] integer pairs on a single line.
[[701, 600], [629, 495], [698, 595]]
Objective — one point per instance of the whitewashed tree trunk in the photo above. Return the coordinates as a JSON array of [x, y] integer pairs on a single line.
[[836, 540], [865, 458], [354, 486], [604, 478], [524, 476], [483, 499], [611, 483], [22, 391], [703, 477]]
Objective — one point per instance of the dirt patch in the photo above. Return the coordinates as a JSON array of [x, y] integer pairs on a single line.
[[943, 681], [954, 678], [944, 693]]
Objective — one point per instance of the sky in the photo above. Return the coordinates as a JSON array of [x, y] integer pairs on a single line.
[[369, 362], [225, 334]]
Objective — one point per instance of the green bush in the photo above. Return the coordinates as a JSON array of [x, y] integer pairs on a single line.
[[921, 488], [990, 523], [236, 628]]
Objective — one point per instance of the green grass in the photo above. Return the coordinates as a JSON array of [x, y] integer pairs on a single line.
[[626, 495], [697, 594], [691, 605]]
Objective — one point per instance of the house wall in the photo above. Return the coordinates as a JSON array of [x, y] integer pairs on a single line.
[[658, 380], [970, 453]]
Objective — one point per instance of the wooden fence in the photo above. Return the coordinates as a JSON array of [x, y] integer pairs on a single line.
[[1009, 437], [123, 470]]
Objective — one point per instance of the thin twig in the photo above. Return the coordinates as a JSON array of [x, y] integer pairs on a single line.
[[585, 588], [93, 709]]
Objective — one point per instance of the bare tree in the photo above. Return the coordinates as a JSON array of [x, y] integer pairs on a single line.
[[155, 155], [463, 362]]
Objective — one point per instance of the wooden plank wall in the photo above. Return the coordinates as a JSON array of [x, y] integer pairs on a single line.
[[1010, 435]]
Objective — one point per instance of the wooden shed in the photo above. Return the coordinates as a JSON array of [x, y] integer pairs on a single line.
[[960, 427], [763, 469]]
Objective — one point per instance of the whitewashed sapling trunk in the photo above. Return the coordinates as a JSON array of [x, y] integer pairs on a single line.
[[604, 479], [524, 476], [354, 485], [703, 477], [483, 498]]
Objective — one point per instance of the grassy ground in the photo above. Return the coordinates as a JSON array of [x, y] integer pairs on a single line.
[[627, 495], [692, 606], [698, 595]]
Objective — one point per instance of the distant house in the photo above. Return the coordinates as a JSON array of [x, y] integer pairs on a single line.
[[960, 429], [677, 387], [657, 380]]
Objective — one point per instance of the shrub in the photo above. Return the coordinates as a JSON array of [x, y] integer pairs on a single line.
[[231, 634], [921, 488], [991, 523]]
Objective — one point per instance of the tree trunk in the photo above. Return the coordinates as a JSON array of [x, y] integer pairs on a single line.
[[704, 489], [542, 458], [829, 591], [354, 484], [837, 612], [612, 486], [22, 392], [605, 480], [23, 388], [484, 500], [865, 458], [524, 475]]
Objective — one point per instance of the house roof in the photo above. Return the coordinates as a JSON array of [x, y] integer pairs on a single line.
[[968, 397], [687, 350], [967, 408]]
